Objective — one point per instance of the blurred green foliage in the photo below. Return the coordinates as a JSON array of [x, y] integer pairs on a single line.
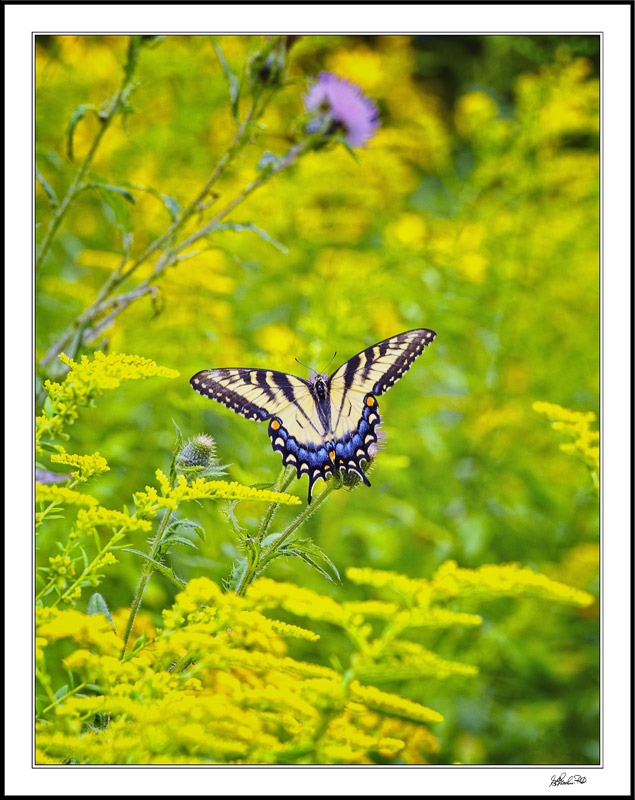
[[475, 212]]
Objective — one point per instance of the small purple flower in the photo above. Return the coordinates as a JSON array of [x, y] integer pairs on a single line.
[[346, 106], [375, 447]]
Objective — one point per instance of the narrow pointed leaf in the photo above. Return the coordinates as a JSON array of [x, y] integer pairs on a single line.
[[50, 193], [167, 573], [249, 226], [97, 605], [78, 114], [232, 80]]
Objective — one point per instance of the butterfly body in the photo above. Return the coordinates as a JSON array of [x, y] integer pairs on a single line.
[[325, 425]]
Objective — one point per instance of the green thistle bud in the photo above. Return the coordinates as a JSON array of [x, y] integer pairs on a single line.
[[198, 452], [196, 458]]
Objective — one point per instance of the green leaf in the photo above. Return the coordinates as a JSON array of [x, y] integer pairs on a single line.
[[347, 147], [167, 573], [263, 485], [238, 570], [290, 551], [97, 605], [269, 539], [268, 162], [171, 203], [47, 188], [138, 644], [78, 114], [232, 80], [114, 197], [309, 551], [185, 523], [51, 448], [228, 512], [249, 226], [61, 692], [120, 190]]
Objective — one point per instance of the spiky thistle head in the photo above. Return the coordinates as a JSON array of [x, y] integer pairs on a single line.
[[196, 458]]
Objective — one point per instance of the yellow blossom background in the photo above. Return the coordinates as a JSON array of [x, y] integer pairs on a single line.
[[474, 212]]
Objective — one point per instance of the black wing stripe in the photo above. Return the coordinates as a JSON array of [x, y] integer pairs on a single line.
[[351, 369], [261, 377], [284, 384]]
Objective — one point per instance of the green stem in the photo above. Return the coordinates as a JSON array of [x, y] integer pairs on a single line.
[[146, 573], [100, 305], [267, 553], [281, 486], [255, 567], [90, 567], [61, 699], [291, 157], [41, 593], [105, 119]]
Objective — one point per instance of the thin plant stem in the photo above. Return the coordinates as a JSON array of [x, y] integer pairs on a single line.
[[120, 275], [255, 567], [61, 699], [105, 120], [146, 573], [281, 486], [114, 539], [299, 520], [104, 303]]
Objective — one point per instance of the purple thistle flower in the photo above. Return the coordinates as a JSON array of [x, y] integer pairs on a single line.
[[347, 107]]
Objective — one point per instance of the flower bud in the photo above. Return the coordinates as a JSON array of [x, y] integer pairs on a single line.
[[197, 452], [197, 459]]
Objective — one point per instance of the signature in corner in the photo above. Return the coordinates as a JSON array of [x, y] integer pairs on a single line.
[[566, 780]]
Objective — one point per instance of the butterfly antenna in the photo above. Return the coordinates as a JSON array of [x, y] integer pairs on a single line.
[[331, 361], [304, 365]]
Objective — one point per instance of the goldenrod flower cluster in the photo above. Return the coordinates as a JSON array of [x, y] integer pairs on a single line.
[[218, 684], [88, 466], [150, 501], [576, 426], [50, 492], [86, 380]]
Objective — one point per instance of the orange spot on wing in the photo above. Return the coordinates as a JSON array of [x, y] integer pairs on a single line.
[[275, 424], [332, 455], [370, 401]]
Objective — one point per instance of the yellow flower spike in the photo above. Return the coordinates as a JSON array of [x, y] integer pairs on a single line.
[[92, 630], [392, 704], [202, 489], [97, 516], [49, 492], [86, 380], [265, 593], [505, 579], [406, 588], [88, 466]]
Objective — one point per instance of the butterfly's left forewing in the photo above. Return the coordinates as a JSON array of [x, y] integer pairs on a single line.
[[257, 394]]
